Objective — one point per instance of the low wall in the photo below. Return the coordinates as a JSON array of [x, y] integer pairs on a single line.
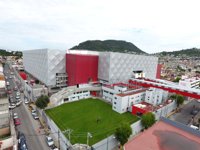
[[64, 143]]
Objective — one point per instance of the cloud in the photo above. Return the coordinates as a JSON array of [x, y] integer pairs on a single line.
[[151, 25]]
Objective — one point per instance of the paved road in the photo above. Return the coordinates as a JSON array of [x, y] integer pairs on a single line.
[[29, 126], [185, 115]]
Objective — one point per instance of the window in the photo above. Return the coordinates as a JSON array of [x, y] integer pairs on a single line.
[[115, 103], [115, 97]]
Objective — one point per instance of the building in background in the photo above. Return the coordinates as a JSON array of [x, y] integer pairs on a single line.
[[119, 67], [193, 82], [7, 130], [48, 66], [81, 68]]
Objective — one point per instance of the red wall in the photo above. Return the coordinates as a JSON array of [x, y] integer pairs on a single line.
[[158, 73], [136, 110], [80, 68]]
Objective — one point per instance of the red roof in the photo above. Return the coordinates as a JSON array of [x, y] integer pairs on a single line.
[[163, 136]]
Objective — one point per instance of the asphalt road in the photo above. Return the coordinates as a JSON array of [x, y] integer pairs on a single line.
[[29, 126], [185, 116]]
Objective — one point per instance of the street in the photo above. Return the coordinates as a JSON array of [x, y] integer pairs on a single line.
[[35, 139], [185, 115]]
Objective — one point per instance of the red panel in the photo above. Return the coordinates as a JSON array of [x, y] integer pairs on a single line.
[[136, 110], [158, 73], [23, 75], [81, 68]]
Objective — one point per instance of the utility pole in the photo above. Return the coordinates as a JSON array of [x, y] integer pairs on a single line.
[[107, 143], [89, 135], [58, 139]]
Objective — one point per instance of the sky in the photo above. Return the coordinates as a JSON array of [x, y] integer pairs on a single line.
[[152, 25]]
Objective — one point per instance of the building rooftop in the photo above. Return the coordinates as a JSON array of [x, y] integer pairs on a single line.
[[132, 92], [166, 135], [122, 85]]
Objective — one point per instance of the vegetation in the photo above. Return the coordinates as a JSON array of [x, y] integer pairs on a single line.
[[122, 133], [89, 115], [193, 52], [109, 45], [148, 120], [42, 101], [12, 53], [179, 99], [177, 79]]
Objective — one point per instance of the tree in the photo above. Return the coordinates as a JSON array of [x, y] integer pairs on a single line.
[[123, 132], [179, 99], [177, 79], [148, 120], [42, 101]]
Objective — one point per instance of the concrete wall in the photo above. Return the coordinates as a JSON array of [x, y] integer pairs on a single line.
[[64, 143]]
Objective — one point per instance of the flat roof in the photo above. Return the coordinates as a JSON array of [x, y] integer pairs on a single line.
[[164, 136], [131, 93]]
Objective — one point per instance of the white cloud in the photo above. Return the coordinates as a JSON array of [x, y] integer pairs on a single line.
[[154, 25]]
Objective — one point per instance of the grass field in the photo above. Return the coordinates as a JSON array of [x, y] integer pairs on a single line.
[[82, 117]]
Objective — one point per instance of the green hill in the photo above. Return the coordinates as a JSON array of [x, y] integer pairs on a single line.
[[193, 52], [109, 45]]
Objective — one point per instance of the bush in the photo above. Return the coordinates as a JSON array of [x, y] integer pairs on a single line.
[[148, 120]]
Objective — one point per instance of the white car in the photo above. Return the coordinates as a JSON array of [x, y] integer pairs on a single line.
[[17, 93], [33, 112], [17, 97], [15, 116], [11, 106], [26, 101], [49, 141], [18, 103]]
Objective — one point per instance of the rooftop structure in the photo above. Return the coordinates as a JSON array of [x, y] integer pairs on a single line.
[[193, 82], [166, 135]]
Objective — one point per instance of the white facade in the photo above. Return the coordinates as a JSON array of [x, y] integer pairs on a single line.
[[43, 64], [123, 102], [108, 92], [193, 82], [119, 67], [156, 96]]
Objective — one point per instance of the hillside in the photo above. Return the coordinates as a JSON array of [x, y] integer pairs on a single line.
[[188, 52], [109, 45]]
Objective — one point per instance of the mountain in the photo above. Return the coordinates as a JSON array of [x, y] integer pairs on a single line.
[[193, 52], [109, 45]]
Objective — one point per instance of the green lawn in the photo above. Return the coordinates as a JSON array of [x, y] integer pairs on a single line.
[[81, 116]]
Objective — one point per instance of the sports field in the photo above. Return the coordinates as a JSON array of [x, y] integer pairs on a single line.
[[89, 115]]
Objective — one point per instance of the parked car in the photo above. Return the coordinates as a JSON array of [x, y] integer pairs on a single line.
[[12, 106], [22, 141], [15, 116], [9, 91], [35, 116], [33, 112], [53, 147], [49, 141], [15, 88], [26, 101], [194, 112], [17, 97], [18, 103], [17, 93], [17, 121]]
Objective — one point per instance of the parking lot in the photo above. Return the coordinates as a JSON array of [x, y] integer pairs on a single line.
[[187, 112]]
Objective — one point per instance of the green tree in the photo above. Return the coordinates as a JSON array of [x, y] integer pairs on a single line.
[[42, 101], [179, 99], [122, 133], [148, 120], [177, 79]]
